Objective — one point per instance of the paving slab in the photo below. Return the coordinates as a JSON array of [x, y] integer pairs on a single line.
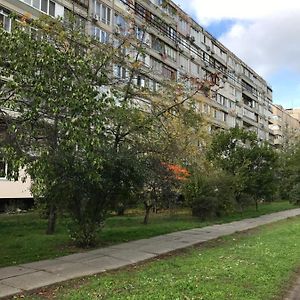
[[8, 272], [6, 290], [105, 263], [162, 247], [42, 273], [131, 255], [79, 256], [31, 281], [70, 271]]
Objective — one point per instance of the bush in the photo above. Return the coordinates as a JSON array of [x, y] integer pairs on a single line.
[[210, 196], [294, 194]]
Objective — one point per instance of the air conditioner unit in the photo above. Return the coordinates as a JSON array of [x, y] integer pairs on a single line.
[[95, 17]]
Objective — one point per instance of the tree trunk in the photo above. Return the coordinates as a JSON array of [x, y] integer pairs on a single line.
[[256, 204], [51, 219], [147, 211]]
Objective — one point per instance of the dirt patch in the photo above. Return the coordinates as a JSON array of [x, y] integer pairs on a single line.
[[291, 290]]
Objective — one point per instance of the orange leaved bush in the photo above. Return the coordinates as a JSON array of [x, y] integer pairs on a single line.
[[179, 172]]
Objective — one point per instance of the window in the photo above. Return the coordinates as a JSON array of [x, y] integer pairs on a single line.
[[221, 99], [184, 63], [156, 65], [183, 25], [51, 8], [168, 72], [249, 114], [219, 115], [172, 33], [145, 59], [5, 21], [159, 2], [157, 44], [120, 23], [73, 20], [140, 34], [195, 36], [120, 72], [153, 85], [141, 81], [230, 120], [231, 104], [46, 6], [106, 15], [169, 9], [232, 90], [170, 52], [223, 54], [140, 10], [206, 108], [160, 68], [99, 34], [195, 69], [102, 12]]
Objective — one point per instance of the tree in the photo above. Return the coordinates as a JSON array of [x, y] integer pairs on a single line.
[[81, 132], [56, 86], [289, 173], [251, 163]]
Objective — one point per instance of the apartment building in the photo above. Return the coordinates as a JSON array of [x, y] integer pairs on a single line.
[[175, 45], [284, 127], [294, 112]]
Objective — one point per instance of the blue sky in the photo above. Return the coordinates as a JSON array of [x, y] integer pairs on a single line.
[[267, 39]]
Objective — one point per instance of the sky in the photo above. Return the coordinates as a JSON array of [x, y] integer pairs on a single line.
[[265, 34]]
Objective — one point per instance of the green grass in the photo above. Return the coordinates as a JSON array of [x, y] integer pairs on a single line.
[[256, 265], [23, 239]]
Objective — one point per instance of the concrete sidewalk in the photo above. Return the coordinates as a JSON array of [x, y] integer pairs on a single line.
[[34, 275]]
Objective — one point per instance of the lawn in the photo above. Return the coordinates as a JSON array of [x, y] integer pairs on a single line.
[[256, 265], [23, 239]]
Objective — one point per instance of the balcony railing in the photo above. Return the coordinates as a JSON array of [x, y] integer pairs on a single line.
[[84, 3]]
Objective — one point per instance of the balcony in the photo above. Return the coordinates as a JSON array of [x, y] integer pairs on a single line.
[[250, 91], [84, 3]]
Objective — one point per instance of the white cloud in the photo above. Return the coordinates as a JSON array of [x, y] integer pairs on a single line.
[[207, 13], [267, 44], [265, 33]]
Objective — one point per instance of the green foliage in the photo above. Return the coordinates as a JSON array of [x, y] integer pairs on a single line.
[[229, 149], [210, 195], [60, 128], [81, 133], [252, 164], [290, 173]]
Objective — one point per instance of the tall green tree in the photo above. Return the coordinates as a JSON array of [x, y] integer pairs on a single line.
[[82, 133], [289, 174], [251, 163]]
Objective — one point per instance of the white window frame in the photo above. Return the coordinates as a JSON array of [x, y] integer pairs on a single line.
[[39, 6], [102, 12], [5, 19], [99, 34]]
